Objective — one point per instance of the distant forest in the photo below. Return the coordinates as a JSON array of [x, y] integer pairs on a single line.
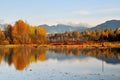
[[87, 35], [23, 33]]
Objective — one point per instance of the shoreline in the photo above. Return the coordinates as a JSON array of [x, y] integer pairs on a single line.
[[74, 45]]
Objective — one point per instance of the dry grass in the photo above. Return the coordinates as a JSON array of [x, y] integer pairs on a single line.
[[88, 44]]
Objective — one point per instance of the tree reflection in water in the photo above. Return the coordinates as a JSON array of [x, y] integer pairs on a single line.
[[23, 56]]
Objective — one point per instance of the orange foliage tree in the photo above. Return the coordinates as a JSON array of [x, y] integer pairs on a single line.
[[20, 32]]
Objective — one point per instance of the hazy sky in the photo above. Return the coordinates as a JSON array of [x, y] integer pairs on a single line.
[[50, 12]]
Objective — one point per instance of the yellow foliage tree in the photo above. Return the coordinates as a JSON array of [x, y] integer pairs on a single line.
[[2, 36]]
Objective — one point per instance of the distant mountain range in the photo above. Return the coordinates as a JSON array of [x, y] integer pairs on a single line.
[[63, 28], [111, 24]]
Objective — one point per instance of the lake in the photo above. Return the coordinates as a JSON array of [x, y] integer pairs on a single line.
[[30, 63]]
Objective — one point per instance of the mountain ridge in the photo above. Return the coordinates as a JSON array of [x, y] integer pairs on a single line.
[[110, 24], [62, 28]]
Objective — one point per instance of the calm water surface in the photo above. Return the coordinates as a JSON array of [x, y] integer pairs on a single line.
[[29, 63]]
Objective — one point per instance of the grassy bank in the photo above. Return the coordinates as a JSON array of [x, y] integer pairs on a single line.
[[78, 44], [10, 45]]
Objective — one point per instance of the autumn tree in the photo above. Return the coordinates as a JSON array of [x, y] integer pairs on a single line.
[[95, 35], [20, 32], [67, 35], [8, 33], [111, 35], [76, 35], [40, 33], [2, 36], [117, 32], [32, 34], [37, 34], [86, 34]]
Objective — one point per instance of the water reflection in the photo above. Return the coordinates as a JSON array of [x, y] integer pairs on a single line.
[[23, 56], [111, 56]]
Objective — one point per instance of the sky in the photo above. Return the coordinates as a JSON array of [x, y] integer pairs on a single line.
[[51, 12]]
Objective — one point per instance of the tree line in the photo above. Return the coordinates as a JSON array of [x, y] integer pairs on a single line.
[[23, 33], [87, 35]]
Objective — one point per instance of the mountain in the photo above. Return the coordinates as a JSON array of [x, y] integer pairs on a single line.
[[62, 28], [3, 26], [111, 24]]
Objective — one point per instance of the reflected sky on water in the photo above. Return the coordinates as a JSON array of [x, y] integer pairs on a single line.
[[29, 63]]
